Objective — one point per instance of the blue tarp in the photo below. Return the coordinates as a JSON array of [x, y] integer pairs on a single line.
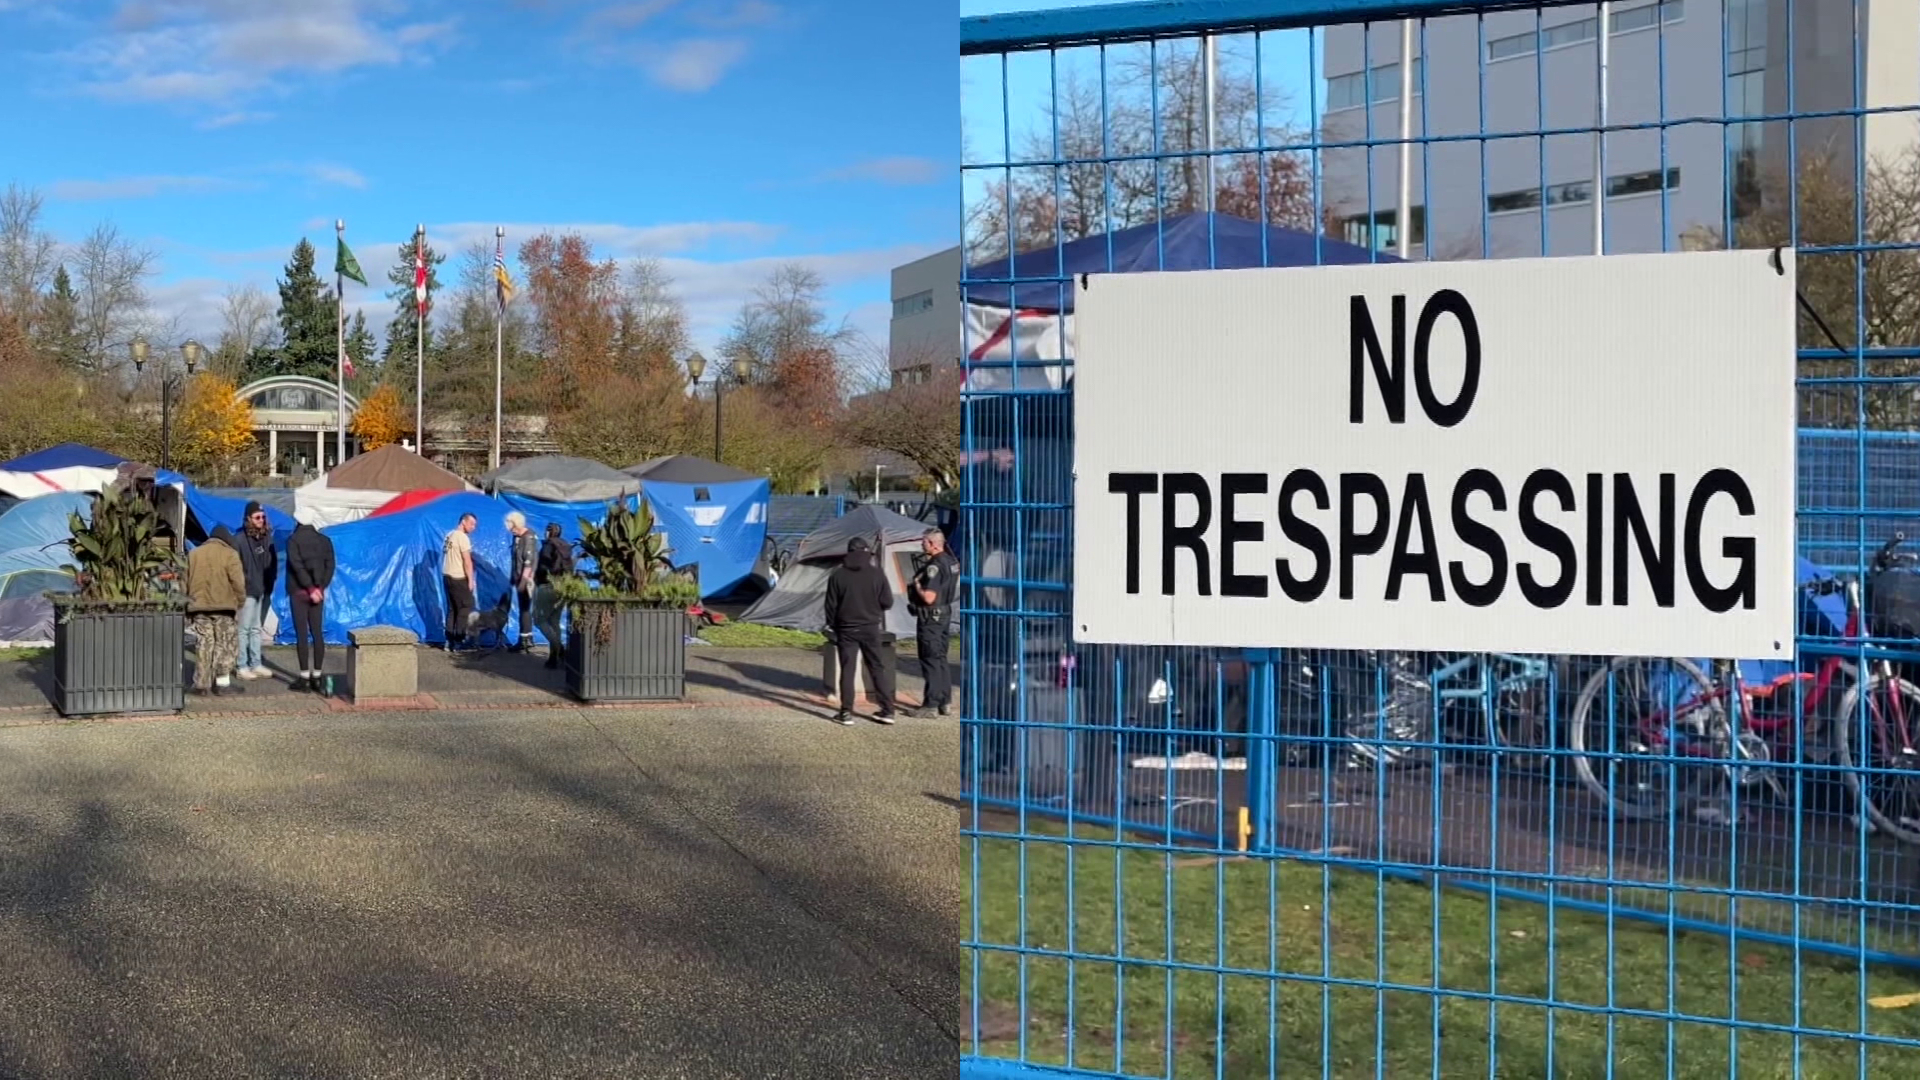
[[209, 509], [387, 569], [1199, 241], [64, 456], [722, 534]]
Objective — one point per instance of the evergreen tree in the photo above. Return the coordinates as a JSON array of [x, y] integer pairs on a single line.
[[402, 331], [308, 314], [360, 346], [56, 333]]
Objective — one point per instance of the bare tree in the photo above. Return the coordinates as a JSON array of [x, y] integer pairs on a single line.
[[111, 273], [28, 254], [785, 318], [1132, 149], [247, 317], [651, 332]]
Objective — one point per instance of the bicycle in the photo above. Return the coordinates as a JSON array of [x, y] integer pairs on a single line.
[[1691, 744]]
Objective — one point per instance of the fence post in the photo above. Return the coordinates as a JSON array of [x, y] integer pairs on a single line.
[[1261, 664]]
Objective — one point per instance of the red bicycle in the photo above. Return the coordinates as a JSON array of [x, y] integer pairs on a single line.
[[1653, 736]]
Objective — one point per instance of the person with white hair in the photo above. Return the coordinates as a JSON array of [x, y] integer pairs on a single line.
[[526, 554]]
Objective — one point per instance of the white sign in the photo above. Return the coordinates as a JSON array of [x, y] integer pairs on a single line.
[[1575, 455]]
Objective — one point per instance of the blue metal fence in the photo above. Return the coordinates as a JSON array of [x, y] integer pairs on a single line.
[[1230, 863]]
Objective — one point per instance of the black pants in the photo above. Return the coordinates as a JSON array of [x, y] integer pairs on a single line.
[[526, 617], [307, 628], [866, 644], [459, 607], [932, 638]]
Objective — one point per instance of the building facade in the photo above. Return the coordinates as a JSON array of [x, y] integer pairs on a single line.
[[924, 332], [1678, 69]]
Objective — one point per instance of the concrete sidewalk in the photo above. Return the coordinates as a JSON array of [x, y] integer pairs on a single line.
[[786, 678], [729, 888]]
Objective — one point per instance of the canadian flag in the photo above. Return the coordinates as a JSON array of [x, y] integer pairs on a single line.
[[420, 274]]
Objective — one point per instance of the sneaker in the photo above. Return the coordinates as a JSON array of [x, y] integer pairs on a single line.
[[298, 685], [244, 673], [843, 719], [883, 718], [924, 713], [262, 671]]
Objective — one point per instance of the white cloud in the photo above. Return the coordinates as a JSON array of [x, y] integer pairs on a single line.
[[695, 64], [336, 175], [232, 119], [138, 187], [222, 51], [890, 170]]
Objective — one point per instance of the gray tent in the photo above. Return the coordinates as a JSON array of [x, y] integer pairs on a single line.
[[557, 478], [798, 602], [687, 469]]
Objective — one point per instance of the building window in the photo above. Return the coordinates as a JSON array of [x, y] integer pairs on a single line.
[[1349, 91], [1573, 33], [1581, 191], [1746, 72], [1380, 229], [913, 305]]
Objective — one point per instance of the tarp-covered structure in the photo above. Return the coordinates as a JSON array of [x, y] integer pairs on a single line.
[[556, 478], [34, 561], [369, 481], [1032, 321], [714, 515], [66, 467], [387, 568], [798, 602]]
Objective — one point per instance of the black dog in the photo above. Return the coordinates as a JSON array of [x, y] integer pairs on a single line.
[[491, 621]]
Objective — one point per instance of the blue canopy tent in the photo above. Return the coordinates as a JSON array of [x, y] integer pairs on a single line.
[[206, 510]]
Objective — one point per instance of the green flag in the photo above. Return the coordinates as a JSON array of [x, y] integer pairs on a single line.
[[346, 265]]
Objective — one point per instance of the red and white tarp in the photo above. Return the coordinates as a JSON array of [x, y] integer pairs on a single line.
[[996, 335]]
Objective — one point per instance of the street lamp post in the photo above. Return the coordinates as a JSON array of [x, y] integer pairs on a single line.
[[697, 366], [169, 379]]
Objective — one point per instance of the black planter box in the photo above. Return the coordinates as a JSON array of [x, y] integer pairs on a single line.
[[119, 661], [645, 661]]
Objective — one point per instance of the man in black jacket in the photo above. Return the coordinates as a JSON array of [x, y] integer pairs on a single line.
[[262, 566], [309, 574], [858, 598], [556, 562], [525, 551]]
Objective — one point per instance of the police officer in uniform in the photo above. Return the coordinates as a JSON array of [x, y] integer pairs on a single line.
[[936, 576]]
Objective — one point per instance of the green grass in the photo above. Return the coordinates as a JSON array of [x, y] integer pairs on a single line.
[[1337, 926], [739, 635], [23, 654]]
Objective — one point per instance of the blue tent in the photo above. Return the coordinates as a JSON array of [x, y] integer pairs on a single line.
[[63, 456], [715, 517], [1198, 241], [34, 560], [207, 510]]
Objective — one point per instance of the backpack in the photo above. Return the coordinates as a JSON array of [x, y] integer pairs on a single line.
[[1893, 602]]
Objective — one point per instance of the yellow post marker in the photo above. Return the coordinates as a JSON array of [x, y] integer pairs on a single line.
[[1894, 1001], [1246, 828]]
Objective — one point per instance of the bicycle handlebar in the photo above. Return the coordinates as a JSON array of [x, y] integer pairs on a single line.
[[1885, 558]]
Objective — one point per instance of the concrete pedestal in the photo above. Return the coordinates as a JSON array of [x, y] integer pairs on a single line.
[[383, 663]]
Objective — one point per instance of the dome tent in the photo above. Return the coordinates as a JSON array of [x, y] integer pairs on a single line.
[[799, 601], [34, 561]]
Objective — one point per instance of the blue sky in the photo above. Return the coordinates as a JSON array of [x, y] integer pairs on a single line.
[[722, 136]]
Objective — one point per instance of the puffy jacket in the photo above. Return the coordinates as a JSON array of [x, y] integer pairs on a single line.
[[216, 582], [858, 595], [309, 559]]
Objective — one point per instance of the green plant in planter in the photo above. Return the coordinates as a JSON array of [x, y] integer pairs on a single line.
[[123, 560], [631, 569]]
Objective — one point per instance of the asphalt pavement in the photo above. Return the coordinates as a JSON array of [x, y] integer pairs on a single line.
[[500, 886]]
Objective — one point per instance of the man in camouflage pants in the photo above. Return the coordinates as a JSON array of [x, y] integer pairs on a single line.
[[216, 587]]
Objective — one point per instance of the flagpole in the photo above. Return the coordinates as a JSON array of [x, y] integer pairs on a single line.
[[339, 344], [499, 233], [420, 346]]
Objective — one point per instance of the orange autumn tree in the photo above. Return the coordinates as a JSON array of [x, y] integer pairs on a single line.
[[215, 429], [574, 300], [380, 420]]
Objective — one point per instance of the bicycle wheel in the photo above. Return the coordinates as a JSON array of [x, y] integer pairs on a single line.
[[1520, 729], [1883, 770], [1637, 774]]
